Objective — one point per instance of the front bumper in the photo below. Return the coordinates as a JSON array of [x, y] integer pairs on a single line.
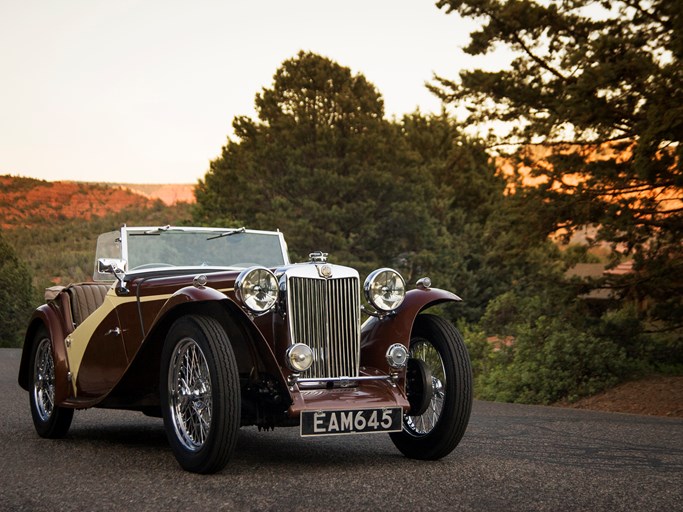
[[367, 391]]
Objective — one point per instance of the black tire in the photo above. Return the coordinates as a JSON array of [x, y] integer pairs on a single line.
[[50, 420], [203, 419], [438, 431]]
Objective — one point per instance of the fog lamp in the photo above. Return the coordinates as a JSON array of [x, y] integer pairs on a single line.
[[397, 356], [299, 357]]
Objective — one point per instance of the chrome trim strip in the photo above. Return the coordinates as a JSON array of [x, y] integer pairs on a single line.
[[336, 382], [310, 380]]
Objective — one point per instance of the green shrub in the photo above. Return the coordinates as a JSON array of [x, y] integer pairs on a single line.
[[551, 360], [558, 350], [16, 296], [480, 350]]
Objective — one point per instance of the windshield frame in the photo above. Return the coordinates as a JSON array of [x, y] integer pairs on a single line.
[[126, 232]]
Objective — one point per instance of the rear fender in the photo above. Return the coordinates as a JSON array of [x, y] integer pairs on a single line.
[[378, 334], [48, 318]]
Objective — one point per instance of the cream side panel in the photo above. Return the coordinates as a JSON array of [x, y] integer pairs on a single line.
[[77, 341]]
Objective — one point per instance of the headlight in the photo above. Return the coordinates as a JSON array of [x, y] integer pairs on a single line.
[[299, 357], [257, 288], [385, 289]]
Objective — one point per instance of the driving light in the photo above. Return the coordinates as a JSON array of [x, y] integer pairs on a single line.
[[385, 289], [299, 357], [257, 288], [397, 356]]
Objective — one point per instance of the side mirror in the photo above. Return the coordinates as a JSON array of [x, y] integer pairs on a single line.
[[116, 267], [111, 266]]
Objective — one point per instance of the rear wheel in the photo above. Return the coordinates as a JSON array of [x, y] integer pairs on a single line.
[[200, 394], [50, 420], [434, 432]]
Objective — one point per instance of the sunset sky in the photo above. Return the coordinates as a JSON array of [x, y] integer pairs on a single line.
[[144, 91]]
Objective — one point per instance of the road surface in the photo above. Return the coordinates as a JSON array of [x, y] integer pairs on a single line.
[[513, 457]]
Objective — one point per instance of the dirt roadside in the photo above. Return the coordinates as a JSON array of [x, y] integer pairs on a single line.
[[656, 395]]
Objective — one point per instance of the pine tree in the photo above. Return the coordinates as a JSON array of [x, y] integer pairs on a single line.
[[597, 85], [323, 165]]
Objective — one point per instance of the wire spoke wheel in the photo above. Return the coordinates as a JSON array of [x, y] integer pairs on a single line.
[[190, 396], [446, 391], [49, 419], [200, 393], [425, 423], [44, 380]]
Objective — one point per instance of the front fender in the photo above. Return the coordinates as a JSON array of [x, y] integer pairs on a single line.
[[189, 294], [139, 384], [190, 298], [378, 334], [47, 317]]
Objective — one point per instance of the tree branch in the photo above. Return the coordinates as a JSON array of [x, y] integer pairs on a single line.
[[500, 23]]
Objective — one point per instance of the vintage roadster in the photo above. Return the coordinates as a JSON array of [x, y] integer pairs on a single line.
[[213, 329]]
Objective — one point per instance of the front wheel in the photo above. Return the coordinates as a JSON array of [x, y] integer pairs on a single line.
[[437, 428], [200, 394], [50, 420]]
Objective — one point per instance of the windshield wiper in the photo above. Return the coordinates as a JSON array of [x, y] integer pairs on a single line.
[[155, 231], [228, 233]]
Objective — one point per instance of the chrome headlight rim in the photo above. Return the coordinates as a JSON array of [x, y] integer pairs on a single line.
[[385, 296], [250, 291]]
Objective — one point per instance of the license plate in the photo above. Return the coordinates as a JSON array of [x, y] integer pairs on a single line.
[[357, 421]]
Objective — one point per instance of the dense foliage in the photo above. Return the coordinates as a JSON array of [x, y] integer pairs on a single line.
[[321, 164], [592, 100], [594, 103], [16, 296]]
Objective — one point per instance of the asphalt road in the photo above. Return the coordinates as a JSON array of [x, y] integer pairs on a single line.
[[513, 457]]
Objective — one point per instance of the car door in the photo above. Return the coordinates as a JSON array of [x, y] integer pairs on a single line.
[[96, 350]]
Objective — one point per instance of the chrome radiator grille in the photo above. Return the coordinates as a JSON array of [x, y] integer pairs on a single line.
[[325, 315]]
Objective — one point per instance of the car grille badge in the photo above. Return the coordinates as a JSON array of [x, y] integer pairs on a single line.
[[324, 271]]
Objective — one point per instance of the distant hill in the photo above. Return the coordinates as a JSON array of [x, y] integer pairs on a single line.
[[170, 194], [27, 201], [53, 225]]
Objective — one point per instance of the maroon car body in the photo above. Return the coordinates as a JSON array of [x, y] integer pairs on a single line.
[[213, 329]]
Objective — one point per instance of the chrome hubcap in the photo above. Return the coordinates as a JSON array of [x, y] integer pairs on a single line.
[[44, 380], [189, 394], [425, 423]]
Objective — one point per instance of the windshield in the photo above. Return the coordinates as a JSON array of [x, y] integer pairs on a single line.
[[148, 248]]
